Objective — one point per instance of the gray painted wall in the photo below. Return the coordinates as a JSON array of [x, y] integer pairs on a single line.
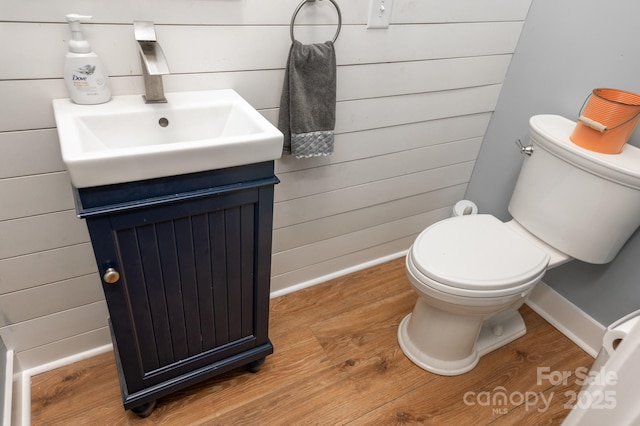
[[566, 49]]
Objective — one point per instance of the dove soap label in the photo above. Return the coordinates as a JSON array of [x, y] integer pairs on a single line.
[[84, 75], [85, 79]]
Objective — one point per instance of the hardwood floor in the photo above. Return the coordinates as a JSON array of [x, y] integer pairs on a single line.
[[337, 362]]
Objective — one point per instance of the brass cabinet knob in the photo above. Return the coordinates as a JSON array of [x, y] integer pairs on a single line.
[[111, 276]]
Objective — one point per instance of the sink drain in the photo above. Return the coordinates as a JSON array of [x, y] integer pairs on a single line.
[[163, 122]]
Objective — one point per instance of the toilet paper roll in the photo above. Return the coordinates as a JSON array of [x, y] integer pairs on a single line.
[[614, 335], [464, 207]]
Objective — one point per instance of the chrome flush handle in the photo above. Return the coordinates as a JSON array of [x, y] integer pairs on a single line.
[[528, 150]]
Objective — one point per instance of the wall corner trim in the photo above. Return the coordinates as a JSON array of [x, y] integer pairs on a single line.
[[23, 388], [8, 389]]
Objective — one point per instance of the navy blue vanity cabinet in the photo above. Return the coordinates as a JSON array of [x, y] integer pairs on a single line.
[[186, 265]]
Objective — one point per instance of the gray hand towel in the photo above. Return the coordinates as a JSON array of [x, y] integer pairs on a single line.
[[308, 104]]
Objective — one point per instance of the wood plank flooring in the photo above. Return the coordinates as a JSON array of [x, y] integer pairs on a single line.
[[337, 362]]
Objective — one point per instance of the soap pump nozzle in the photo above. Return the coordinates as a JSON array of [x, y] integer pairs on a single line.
[[77, 43]]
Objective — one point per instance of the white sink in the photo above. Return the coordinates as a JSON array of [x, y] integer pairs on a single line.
[[126, 140]]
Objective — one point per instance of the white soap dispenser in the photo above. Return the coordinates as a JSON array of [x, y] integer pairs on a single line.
[[84, 75]]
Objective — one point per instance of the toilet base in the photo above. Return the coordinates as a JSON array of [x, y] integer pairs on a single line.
[[494, 333]]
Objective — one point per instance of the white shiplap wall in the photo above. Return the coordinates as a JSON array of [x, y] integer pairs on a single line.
[[414, 102]]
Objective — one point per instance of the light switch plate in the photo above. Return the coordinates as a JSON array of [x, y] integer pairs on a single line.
[[379, 13]]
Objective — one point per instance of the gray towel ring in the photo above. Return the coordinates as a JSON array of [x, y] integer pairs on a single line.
[[293, 18]]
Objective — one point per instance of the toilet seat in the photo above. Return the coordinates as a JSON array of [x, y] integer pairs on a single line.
[[476, 256]]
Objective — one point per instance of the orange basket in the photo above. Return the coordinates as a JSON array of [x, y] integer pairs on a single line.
[[607, 120]]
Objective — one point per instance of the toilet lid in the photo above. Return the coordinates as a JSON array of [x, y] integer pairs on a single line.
[[477, 252]]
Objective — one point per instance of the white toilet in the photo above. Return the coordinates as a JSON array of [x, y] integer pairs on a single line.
[[473, 272]]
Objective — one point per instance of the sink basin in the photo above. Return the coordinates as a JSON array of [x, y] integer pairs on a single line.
[[126, 140]]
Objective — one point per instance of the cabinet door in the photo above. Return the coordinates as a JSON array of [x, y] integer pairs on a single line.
[[190, 282]]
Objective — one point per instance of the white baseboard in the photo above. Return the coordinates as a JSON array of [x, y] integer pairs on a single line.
[[570, 320], [337, 274]]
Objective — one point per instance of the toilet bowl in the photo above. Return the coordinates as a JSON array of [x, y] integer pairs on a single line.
[[464, 313], [472, 272]]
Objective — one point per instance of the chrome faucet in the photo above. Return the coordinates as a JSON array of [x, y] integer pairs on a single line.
[[154, 63]]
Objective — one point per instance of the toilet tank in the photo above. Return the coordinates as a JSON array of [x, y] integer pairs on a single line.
[[581, 202]]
